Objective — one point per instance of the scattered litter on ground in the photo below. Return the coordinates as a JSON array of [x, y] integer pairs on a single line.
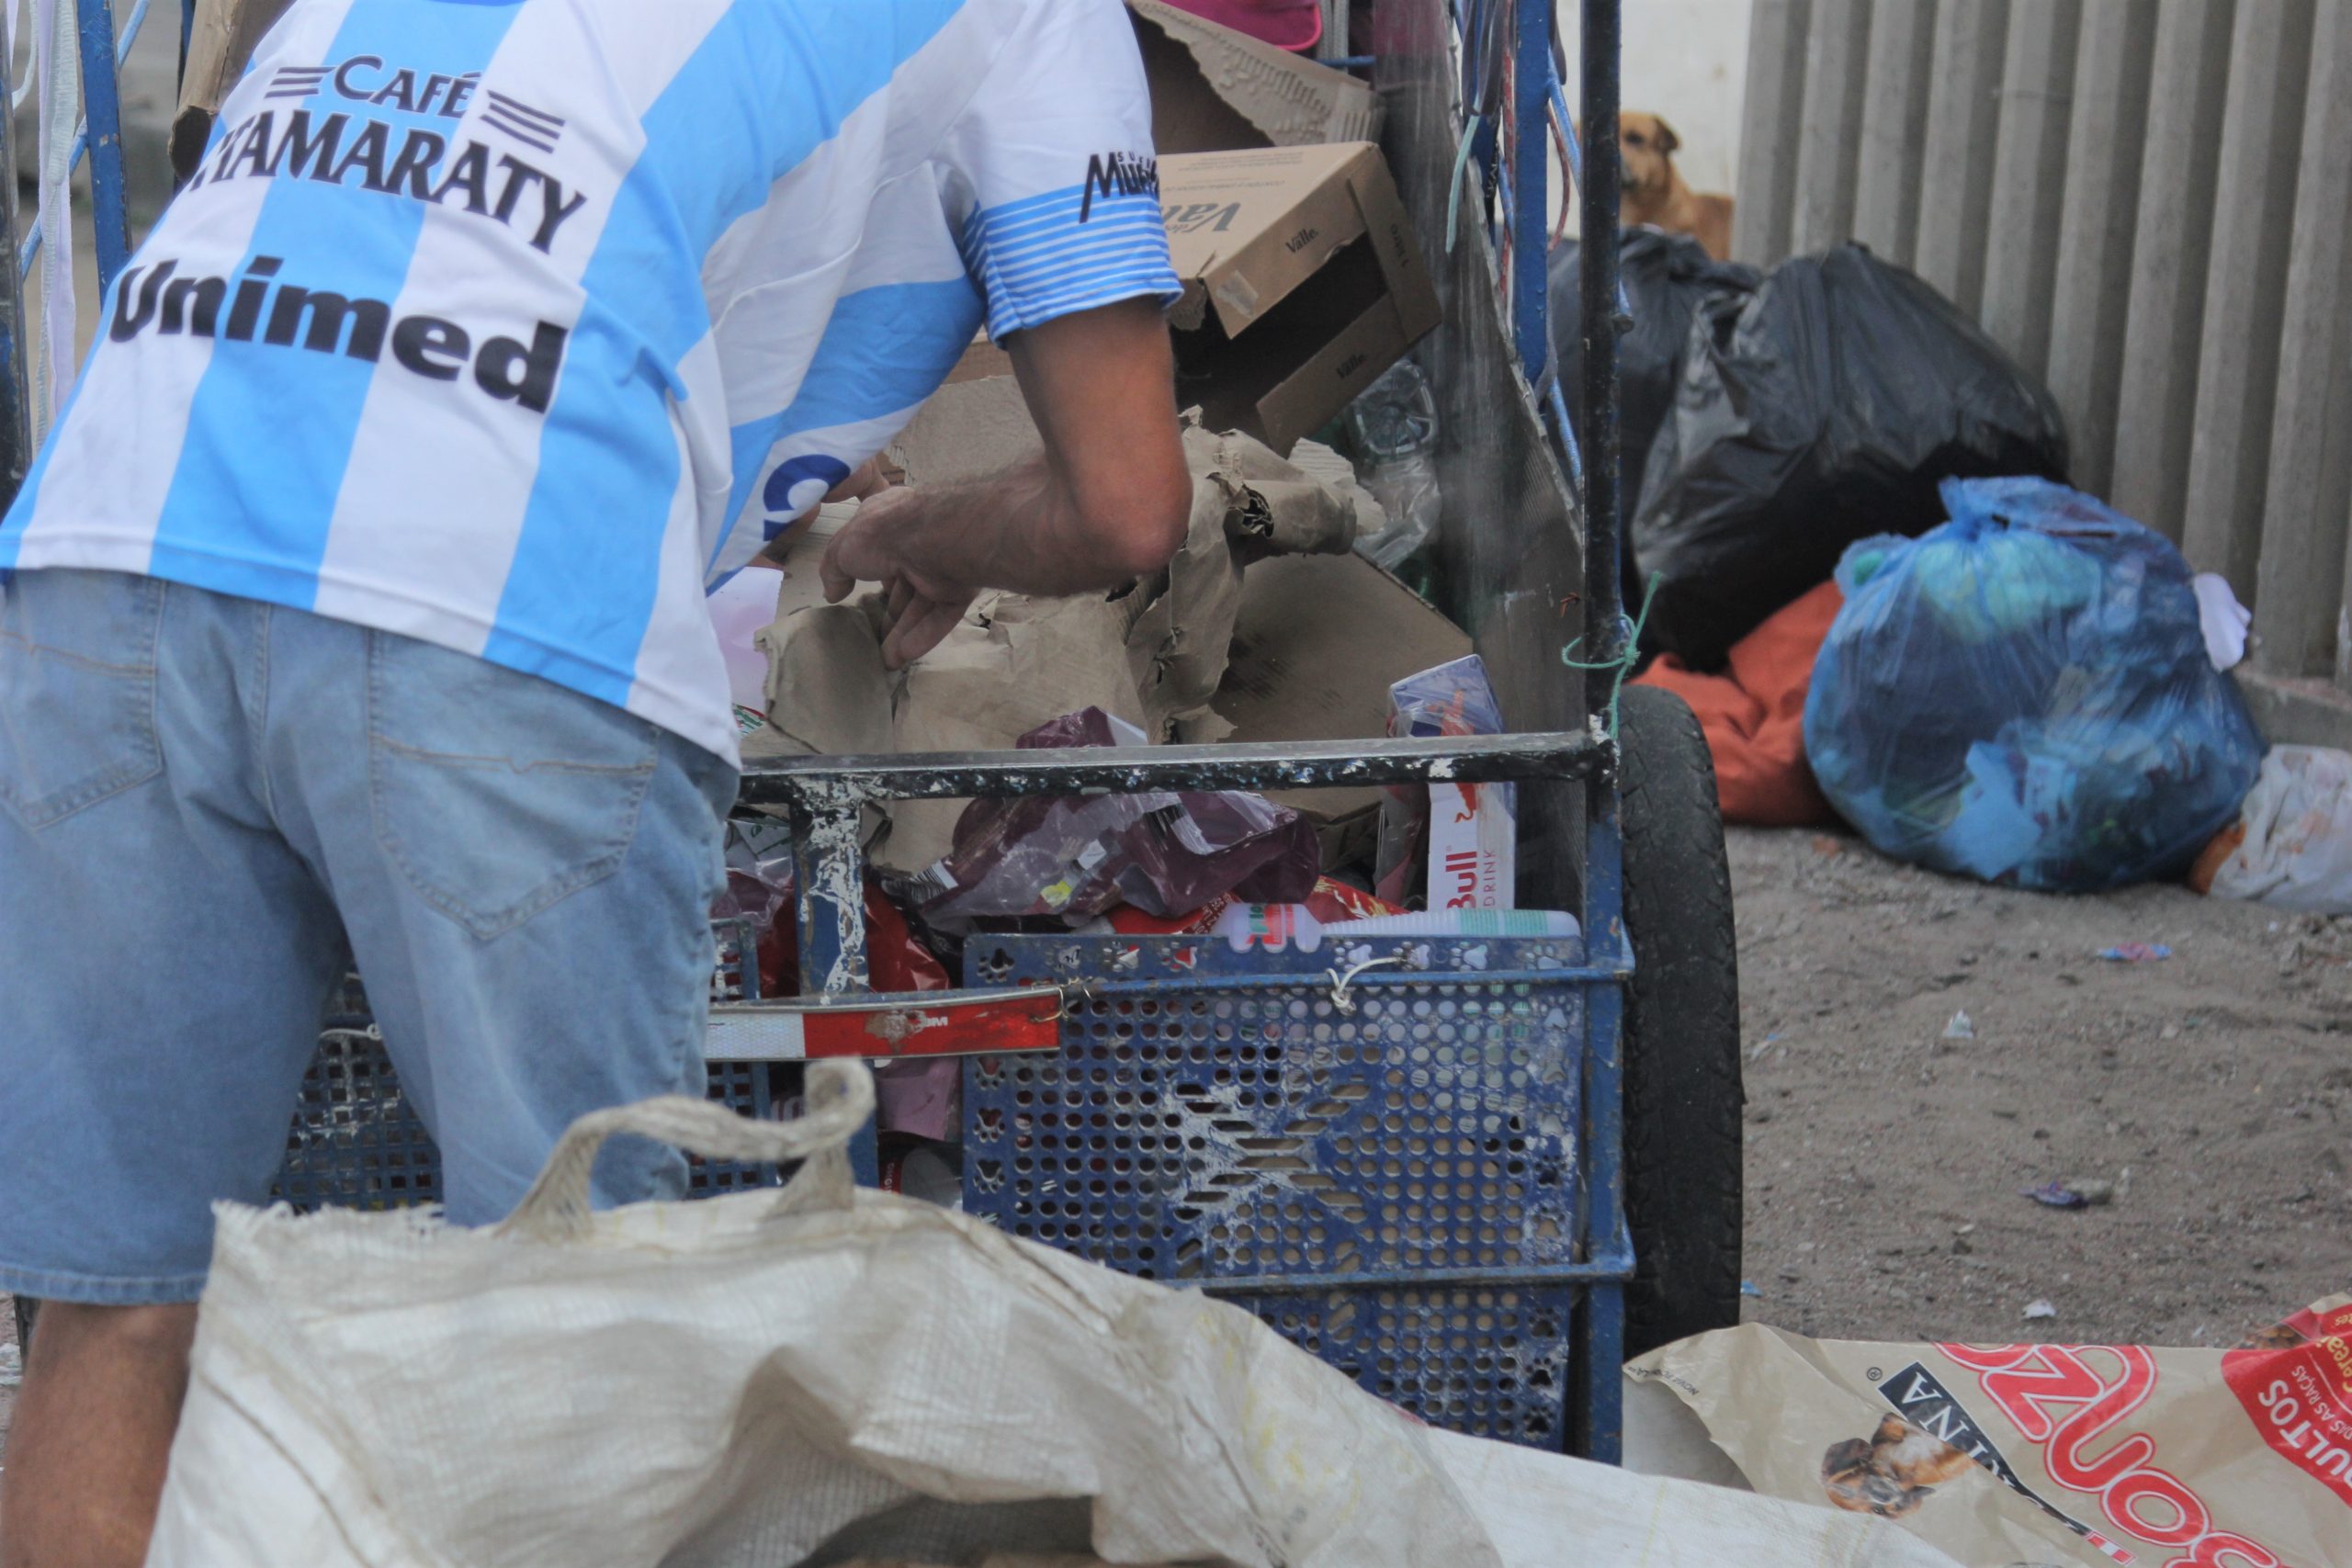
[[2136, 953], [2039, 1307], [2291, 845], [2055, 1194], [1748, 1288], [1961, 1027]]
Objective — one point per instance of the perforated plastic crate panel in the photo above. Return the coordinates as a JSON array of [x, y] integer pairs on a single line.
[[356, 1141], [1403, 1169]]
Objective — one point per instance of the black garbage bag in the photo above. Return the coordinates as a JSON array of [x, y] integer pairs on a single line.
[[1666, 278], [1823, 408]]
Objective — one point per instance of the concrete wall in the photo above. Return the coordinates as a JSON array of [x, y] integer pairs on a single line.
[[2147, 202]]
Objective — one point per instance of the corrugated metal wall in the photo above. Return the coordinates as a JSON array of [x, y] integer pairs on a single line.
[[2147, 202]]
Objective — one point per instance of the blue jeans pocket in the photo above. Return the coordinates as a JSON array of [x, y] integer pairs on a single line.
[[495, 793], [77, 690]]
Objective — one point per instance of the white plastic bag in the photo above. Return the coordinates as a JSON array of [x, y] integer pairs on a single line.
[[768, 1378], [2294, 834]]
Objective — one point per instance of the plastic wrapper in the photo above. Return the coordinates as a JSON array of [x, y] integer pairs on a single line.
[[1166, 852], [1821, 410], [1393, 427], [1468, 831], [2024, 695], [2291, 845]]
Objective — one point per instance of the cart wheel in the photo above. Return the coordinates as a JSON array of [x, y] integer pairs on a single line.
[[1683, 1138]]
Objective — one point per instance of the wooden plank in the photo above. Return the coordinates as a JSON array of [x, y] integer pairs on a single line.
[[1956, 169], [2156, 406], [2105, 140], [2300, 574], [1895, 127], [2029, 178], [2246, 288], [1830, 123], [1770, 116]]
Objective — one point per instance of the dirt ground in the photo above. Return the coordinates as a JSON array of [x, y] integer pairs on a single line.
[[1885, 1162]]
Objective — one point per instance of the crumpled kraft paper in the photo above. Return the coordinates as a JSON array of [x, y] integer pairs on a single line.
[[1151, 653]]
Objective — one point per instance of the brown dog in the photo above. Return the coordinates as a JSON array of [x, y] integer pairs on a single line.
[[1654, 193]]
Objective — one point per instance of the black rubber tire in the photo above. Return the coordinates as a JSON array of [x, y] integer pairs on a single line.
[[1684, 1152]]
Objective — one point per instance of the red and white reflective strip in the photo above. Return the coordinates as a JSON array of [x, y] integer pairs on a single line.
[[954, 1023]]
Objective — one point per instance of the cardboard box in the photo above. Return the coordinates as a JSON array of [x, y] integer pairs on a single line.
[[1317, 643], [1214, 89], [1302, 282], [220, 41]]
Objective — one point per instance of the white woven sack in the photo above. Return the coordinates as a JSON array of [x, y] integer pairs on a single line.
[[741, 1379], [765, 1380]]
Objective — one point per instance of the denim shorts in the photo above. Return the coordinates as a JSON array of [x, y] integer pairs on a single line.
[[209, 807]]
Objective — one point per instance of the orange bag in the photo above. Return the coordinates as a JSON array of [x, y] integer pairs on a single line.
[[1754, 713]]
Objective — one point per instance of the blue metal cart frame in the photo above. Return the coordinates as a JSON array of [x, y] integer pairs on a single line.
[[1507, 49], [1511, 96]]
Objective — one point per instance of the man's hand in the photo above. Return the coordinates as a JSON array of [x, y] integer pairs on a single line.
[[922, 609], [867, 480], [1107, 501]]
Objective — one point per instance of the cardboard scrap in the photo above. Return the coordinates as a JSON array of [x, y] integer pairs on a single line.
[[1214, 89], [1152, 653], [1255, 346], [219, 42], [1317, 640]]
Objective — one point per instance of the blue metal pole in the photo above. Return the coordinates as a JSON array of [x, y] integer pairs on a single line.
[[1530, 189], [187, 31], [32, 246], [102, 106], [1601, 1395]]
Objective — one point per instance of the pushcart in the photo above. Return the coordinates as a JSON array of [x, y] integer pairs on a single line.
[[1474, 1172]]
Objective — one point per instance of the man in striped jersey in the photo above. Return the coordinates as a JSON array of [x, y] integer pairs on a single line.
[[353, 606]]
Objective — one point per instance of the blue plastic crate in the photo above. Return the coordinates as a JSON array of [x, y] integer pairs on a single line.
[[1387, 1175], [356, 1141]]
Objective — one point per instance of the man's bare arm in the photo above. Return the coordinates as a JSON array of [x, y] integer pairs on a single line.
[[1107, 501]]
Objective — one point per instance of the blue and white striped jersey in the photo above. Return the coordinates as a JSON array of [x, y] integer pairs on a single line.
[[514, 325]]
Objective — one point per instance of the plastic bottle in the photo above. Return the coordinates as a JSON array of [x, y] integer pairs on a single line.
[[1393, 427], [1278, 926]]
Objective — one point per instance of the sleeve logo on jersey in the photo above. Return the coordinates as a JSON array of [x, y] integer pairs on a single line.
[[286, 315], [1118, 173], [445, 168]]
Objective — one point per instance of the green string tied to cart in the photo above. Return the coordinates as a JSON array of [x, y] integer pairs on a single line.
[[1623, 665]]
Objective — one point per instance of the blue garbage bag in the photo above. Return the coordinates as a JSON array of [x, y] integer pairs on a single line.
[[2023, 694]]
